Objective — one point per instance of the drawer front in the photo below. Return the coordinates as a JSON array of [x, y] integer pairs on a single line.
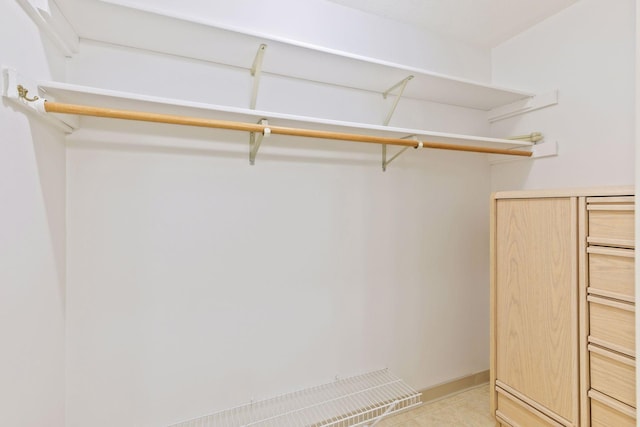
[[515, 413], [611, 324], [611, 225], [613, 375], [605, 416], [612, 272]]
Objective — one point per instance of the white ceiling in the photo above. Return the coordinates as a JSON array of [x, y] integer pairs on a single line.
[[485, 23]]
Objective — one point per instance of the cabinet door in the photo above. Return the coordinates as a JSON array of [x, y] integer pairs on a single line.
[[536, 317]]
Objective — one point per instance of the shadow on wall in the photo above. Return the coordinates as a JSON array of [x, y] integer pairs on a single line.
[[50, 155], [154, 138], [49, 164], [512, 175]]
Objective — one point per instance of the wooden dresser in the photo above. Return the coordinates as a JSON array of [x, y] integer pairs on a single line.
[[563, 308], [608, 271]]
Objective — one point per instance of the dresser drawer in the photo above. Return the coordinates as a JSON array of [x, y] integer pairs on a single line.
[[612, 324], [611, 221], [613, 375], [605, 412], [515, 413], [612, 272]]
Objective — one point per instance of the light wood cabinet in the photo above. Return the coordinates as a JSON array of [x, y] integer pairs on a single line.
[[535, 296], [609, 392], [562, 307], [611, 324], [611, 272], [512, 412], [608, 412], [612, 374]]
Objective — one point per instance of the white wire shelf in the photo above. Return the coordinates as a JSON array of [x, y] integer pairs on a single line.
[[356, 401]]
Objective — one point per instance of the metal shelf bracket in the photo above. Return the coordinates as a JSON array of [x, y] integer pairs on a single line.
[[256, 70], [390, 409], [386, 162], [402, 85], [256, 140]]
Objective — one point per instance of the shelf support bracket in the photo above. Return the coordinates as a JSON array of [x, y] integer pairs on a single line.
[[386, 162], [256, 70], [539, 150], [523, 106], [256, 140], [402, 85], [379, 418]]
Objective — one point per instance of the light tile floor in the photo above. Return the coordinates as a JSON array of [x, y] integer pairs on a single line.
[[469, 408]]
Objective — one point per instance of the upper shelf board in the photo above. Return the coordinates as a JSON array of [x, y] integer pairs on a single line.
[[75, 94], [175, 34]]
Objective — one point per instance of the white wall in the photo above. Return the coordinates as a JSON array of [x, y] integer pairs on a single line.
[[32, 241], [316, 22], [197, 282], [586, 52]]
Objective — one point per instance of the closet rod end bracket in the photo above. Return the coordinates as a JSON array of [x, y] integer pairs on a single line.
[[14, 88], [36, 103], [23, 94]]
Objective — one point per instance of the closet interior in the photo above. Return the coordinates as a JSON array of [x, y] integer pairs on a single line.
[[281, 213]]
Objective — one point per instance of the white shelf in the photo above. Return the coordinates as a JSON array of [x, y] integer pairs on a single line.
[[175, 34], [354, 401], [75, 94]]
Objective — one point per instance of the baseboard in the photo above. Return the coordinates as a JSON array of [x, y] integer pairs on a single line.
[[456, 386]]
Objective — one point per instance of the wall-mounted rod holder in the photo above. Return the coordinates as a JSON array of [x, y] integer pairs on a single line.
[[386, 162], [256, 140], [256, 70], [35, 103], [402, 85], [14, 89], [23, 93]]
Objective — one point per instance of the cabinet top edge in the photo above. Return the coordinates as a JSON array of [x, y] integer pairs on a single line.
[[566, 192]]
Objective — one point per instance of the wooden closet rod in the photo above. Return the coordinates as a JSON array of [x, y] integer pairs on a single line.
[[82, 110]]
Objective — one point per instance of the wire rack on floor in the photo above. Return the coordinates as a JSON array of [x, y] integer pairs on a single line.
[[362, 400]]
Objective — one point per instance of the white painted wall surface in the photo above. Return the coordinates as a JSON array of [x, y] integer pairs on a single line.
[[32, 241], [197, 282], [586, 52], [315, 22], [100, 65]]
